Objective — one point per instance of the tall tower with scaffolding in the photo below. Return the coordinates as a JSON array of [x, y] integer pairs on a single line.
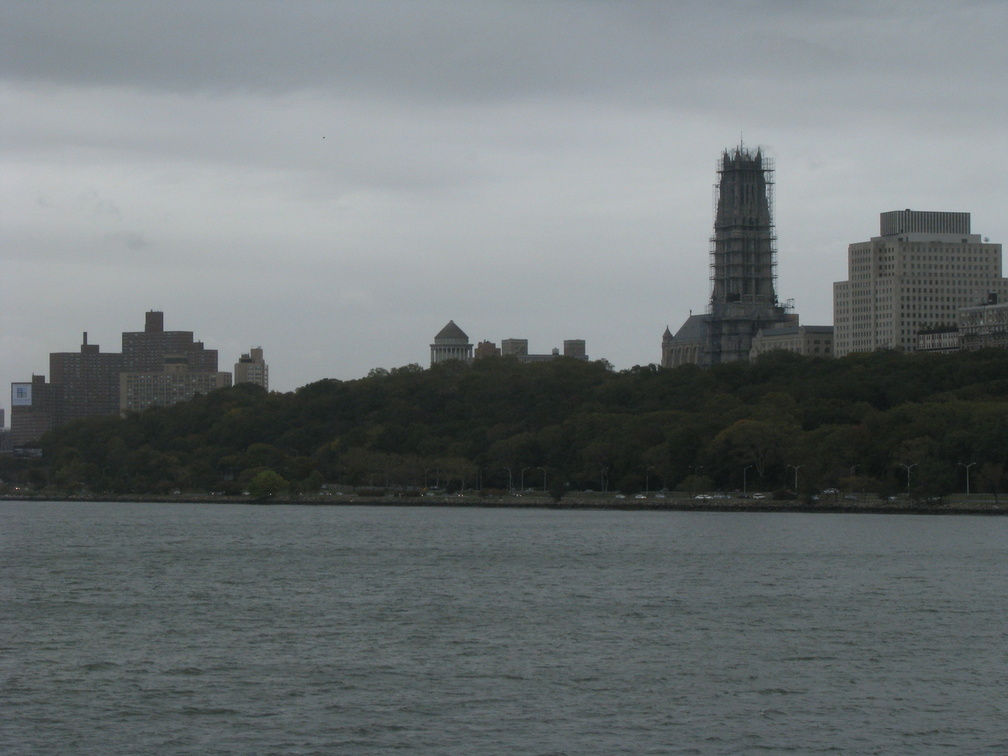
[[743, 257], [743, 248], [743, 267]]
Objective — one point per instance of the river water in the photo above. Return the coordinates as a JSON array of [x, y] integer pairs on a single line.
[[181, 629]]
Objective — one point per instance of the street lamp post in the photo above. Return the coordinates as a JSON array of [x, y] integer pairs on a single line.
[[908, 469], [647, 479], [796, 468], [967, 474], [523, 478], [510, 486], [745, 489]]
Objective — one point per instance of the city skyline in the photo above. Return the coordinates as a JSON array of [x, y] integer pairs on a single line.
[[336, 181], [156, 367]]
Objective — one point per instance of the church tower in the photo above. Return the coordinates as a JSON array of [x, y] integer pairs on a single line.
[[743, 268], [743, 254]]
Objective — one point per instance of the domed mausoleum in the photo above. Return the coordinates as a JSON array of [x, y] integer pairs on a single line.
[[451, 343]]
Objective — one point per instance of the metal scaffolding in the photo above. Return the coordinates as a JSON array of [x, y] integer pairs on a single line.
[[743, 249]]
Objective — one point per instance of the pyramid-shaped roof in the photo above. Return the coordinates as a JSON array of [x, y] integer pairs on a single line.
[[451, 332]]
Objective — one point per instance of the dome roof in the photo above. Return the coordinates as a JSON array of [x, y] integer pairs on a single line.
[[451, 332]]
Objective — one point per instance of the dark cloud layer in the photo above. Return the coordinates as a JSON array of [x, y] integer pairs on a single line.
[[492, 50]]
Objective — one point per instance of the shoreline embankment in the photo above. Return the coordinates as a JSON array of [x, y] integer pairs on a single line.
[[957, 505]]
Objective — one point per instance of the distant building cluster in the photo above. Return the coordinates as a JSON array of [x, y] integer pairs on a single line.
[[156, 368], [926, 283], [977, 327], [452, 343]]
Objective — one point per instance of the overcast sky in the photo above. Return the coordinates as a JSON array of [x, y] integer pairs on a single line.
[[334, 181]]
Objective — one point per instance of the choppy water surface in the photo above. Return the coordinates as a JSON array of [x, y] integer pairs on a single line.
[[176, 629]]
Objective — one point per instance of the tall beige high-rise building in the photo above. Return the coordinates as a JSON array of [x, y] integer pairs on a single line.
[[252, 368], [914, 276]]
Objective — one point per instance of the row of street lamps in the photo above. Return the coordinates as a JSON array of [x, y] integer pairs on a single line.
[[961, 464], [522, 477], [745, 476], [907, 467]]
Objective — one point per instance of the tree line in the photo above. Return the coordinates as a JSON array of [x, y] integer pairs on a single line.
[[886, 422]]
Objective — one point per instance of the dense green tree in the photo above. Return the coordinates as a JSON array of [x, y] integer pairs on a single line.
[[855, 423], [266, 483]]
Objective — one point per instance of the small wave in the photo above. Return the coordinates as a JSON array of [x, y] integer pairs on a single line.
[[99, 666], [184, 671], [779, 692], [211, 711]]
